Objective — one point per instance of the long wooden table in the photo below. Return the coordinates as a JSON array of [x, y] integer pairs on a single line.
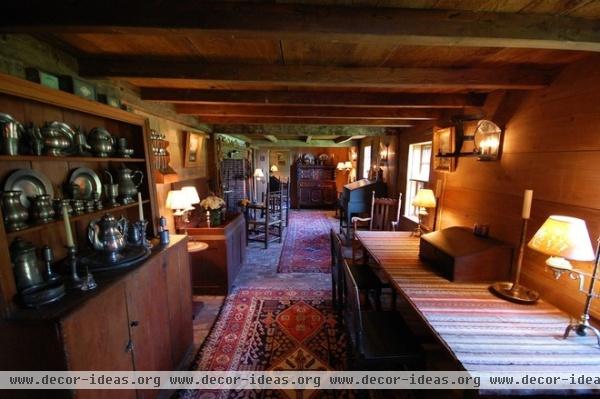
[[479, 330]]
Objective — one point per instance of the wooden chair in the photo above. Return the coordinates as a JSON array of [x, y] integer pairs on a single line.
[[380, 340], [382, 210], [367, 281], [264, 221], [285, 192]]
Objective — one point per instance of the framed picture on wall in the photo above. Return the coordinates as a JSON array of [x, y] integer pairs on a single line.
[[444, 149], [192, 150]]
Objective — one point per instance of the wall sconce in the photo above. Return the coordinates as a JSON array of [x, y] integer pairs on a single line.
[[487, 138], [564, 238], [384, 154], [274, 169], [346, 167]]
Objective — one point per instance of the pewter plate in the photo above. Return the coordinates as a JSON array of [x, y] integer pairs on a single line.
[[30, 182], [88, 182]]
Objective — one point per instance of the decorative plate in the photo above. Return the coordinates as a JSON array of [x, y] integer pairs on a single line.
[[88, 182], [308, 158], [30, 182], [323, 158]]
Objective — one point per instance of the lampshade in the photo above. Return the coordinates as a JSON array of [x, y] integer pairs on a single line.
[[258, 173], [424, 198], [176, 199], [274, 168], [564, 237], [191, 194], [340, 166], [348, 165]]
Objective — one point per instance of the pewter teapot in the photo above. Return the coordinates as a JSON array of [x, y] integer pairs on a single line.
[[100, 141], [108, 235], [128, 188]]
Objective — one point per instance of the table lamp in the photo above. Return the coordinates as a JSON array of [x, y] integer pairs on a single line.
[[274, 169], [178, 201], [423, 200], [191, 194], [566, 238]]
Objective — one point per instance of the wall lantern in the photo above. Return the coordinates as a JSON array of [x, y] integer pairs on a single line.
[[487, 138], [384, 154]]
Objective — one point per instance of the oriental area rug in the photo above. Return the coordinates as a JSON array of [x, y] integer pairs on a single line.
[[281, 330], [306, 248]]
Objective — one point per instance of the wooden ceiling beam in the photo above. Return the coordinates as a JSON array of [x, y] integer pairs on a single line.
[[254, 120], [342, 139], [354, 99], [515, 78], [306, 22], [258, 131], [300, 143], [306, 111]]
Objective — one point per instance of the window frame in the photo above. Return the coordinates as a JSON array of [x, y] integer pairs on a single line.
[[414, 183]]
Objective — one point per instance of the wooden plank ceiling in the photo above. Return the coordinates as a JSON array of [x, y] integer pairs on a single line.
[[284, 71]]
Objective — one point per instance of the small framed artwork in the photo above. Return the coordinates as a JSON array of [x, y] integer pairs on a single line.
[[192, 150], [444, 149]]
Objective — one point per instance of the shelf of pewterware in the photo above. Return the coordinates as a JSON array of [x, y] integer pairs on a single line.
[[46, 158], [33, 104], [73, 218]]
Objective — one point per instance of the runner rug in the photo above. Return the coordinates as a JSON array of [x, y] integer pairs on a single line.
[[281, 330], [306, 248]]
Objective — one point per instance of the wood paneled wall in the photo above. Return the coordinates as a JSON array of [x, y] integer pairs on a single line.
[[175, 134], [395, 156], [552, 146]]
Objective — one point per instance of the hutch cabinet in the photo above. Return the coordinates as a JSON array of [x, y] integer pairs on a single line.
[[313, 186], [138, 318]]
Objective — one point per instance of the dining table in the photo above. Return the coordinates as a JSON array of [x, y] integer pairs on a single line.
[[480, 331]]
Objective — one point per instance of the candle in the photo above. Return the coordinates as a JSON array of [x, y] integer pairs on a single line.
[[68, 232], [140, 208], [438, 188], [527, 197]]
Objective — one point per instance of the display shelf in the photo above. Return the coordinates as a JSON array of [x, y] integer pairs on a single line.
[[73, 218]]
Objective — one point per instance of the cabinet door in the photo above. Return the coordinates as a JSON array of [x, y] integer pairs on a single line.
[[149, 319], [96, 337], [304, 194], [179, 289], [316, 196]]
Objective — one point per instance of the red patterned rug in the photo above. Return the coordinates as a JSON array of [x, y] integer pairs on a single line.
[[306, 248], [262, 329]]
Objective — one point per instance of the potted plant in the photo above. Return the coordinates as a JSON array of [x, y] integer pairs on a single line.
[[214, 209]]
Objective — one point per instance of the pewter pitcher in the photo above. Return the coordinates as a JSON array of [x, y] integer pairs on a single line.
[[11, 132], [25, 264], [108, 235], [128, 188]]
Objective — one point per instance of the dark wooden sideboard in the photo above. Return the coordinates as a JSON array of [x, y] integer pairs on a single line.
[[139, 318], [313, 186], [215, 269]]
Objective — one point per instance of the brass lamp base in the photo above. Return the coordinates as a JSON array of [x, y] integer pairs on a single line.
[[519, 294]]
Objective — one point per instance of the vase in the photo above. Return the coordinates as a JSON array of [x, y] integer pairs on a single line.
[[215, 217]]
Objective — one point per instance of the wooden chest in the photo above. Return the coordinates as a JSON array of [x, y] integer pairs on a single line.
[[461, 256]]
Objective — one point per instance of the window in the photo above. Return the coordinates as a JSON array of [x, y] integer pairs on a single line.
[[419, 160], [366, 165]]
